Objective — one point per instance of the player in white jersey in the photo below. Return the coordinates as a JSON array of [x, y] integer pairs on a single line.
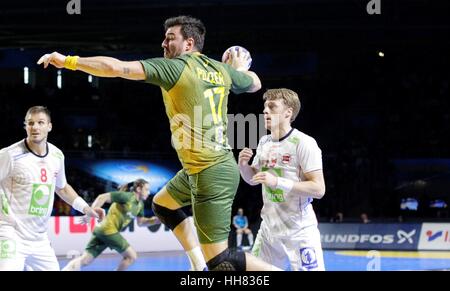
[[31, 171], [288, 164]]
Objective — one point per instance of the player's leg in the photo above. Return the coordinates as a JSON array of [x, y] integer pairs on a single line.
[[93, 249], [305, 252], [129, 256], [118, 243], [212, 199], [41, 256], [77, 263], [182, 227], [167, 205], [269, 249], [11, 256]]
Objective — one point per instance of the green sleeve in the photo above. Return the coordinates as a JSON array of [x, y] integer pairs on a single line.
[[240, 82], [120, 197], [163, 72]]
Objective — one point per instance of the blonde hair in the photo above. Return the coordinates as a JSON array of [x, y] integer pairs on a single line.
[[289, 97]]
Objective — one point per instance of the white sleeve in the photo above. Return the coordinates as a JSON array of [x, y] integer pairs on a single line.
[[61, 177], [309, 155], [6, 164], [255, 163]]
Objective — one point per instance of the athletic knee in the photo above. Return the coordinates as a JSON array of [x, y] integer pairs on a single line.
[[170, 218], [131, 257], [228, 260]]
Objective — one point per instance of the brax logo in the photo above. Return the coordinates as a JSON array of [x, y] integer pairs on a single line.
[[405, 236], [402, 237]]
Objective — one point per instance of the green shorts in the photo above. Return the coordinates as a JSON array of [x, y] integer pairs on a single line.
[[211, 193], [99, 242]]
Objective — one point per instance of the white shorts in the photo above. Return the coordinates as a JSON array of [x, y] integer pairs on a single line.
[[300, 253], [17, 254]]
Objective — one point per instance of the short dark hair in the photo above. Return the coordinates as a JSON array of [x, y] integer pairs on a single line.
[[190, 27], [39, 109]]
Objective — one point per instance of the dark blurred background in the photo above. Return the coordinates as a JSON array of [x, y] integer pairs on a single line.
[[374, 90]]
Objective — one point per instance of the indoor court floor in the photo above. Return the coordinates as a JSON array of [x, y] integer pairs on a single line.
[[334, 261]]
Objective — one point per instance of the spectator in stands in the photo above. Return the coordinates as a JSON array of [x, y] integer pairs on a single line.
[[339, 217], [240, 222], [364, 218]]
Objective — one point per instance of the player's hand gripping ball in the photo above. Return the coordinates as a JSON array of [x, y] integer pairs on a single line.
[[238, 57]]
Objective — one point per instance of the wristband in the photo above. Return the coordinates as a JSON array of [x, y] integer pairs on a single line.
[[285, 184], [79, 204], [71, 62]]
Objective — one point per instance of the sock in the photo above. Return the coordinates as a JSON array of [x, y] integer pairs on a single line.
[[74, 265], [250, 238], [196, 259], [239, 240]]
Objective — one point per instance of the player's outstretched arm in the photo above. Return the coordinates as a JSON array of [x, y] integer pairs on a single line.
[[102, 199], [97, 66]]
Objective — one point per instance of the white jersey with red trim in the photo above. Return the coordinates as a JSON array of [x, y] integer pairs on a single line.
[[285, 214], [27, 186]]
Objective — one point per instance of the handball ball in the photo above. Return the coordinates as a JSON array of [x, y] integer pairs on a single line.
[[240, 50]]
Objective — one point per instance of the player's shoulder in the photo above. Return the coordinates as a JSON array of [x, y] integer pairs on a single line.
[[301, 138], [122, 197], [186, 57], [160, 62], [55, 151], [15, 149], [122, 193], [206, 60]]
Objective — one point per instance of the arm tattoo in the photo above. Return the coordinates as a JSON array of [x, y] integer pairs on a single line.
[[126, 71]]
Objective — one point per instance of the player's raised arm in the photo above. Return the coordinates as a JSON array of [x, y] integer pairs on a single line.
[[97, 66], [240, 59], [256, 82]]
